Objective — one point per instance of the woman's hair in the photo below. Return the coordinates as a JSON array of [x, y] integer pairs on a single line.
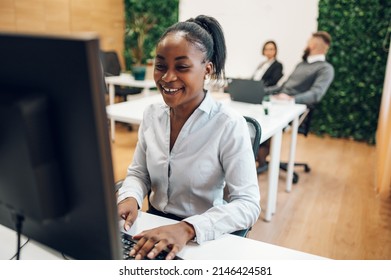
[[207, 35], [269, 42]]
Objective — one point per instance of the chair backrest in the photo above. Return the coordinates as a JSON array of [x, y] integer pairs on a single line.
[[110, 63], [255, 133], [305, 121]]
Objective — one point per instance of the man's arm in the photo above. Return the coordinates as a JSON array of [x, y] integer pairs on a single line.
[[318, 88]]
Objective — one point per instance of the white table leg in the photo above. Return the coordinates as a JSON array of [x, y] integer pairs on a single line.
[[274, 166], [111, 101], [111, 94], [145, 91], [292, 152]]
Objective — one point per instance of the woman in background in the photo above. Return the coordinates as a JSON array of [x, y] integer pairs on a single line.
[[269, 71]]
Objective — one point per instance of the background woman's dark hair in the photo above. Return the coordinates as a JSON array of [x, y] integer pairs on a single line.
[[269, 42], [207, 35]]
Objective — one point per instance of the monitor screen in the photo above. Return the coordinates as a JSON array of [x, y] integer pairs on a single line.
[[55, 165]]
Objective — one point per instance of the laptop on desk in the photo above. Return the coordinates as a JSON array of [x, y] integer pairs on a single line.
[[248, 91]]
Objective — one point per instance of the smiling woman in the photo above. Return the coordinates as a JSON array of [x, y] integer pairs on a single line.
[[180, 71], [189, 133]]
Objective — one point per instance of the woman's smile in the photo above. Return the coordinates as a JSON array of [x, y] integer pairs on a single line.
[[170, 91]]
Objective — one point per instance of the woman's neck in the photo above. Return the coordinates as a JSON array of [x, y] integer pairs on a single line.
[[184, 111]]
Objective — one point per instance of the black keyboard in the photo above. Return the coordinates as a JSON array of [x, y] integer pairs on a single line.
[[128, 243]]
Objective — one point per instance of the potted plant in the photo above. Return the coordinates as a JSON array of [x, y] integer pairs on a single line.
[[137, 31], [145, 22]]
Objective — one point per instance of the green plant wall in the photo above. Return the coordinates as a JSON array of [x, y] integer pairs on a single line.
[[359, 29], [163, 13]]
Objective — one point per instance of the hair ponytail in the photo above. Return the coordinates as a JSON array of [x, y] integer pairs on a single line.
[[206, 33]]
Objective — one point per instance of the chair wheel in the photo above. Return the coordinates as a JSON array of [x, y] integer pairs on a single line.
[[295, 178], [307, 168]]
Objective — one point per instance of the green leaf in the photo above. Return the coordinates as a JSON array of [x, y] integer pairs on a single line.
[[351, 106]]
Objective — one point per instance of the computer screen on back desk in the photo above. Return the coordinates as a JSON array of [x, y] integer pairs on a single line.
[[55, 165]]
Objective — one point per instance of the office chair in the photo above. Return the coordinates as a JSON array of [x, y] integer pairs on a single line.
[[255, 135], [112, 67], [304, 128]]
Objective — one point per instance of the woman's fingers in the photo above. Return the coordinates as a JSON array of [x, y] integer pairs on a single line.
[[128, 222], [171, 255], [144, 247], [171, 238]]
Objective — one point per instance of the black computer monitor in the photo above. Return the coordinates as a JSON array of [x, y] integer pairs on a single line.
[[55, 160]]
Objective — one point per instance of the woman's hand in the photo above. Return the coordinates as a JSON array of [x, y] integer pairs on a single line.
[[128, 210], [172, 237]]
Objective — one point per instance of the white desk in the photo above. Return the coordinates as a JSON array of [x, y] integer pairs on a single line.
[[280, 115], [126, 80], [227, 247], [31, 251]]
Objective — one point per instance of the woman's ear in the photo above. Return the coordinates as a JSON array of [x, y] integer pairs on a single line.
[[208, 70]]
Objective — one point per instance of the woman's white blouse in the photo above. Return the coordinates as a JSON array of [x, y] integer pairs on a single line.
[[212, 152]]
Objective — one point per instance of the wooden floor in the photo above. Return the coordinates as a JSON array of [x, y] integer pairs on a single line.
[[333, 211]]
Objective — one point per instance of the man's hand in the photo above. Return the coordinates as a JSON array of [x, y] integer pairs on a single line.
[[282, 96]]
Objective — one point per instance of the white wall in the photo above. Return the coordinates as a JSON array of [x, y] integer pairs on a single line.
[[248, 24]]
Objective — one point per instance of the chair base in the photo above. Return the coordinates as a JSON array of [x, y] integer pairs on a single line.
[[284, 166], [295, 179]]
